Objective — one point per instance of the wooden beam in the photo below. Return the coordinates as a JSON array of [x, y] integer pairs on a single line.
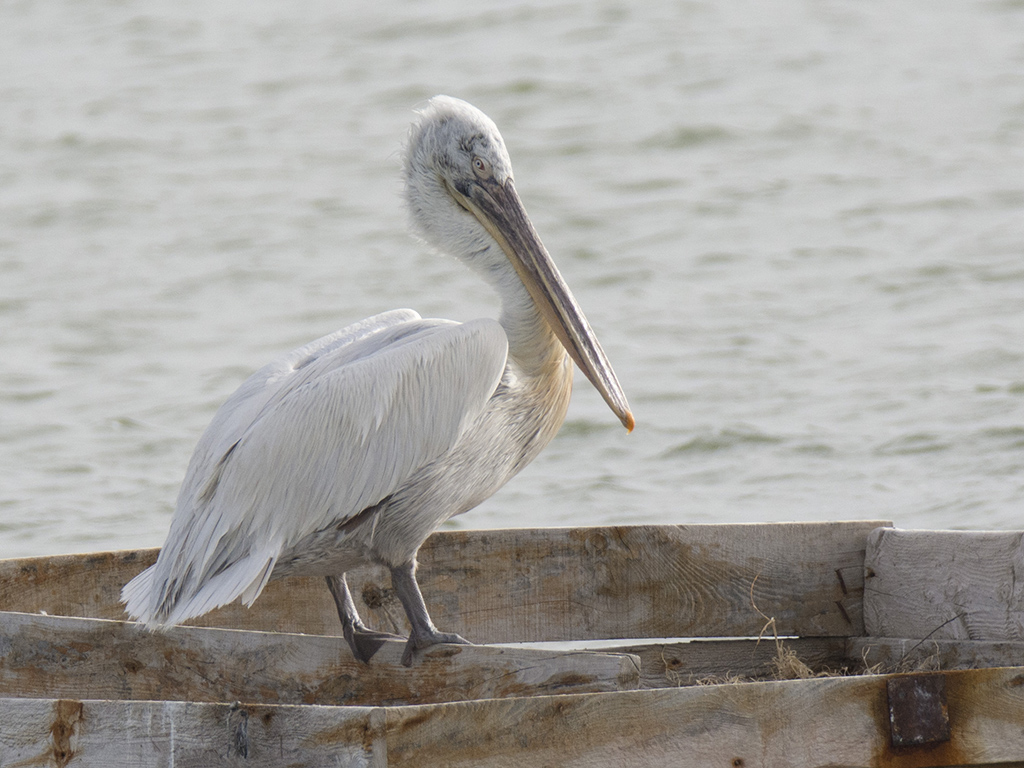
[[796, 724], [61, 657], [945, 585], [889, 654], [651, 581], [705, 662], [178, 734], [552, 584], [87, 585]]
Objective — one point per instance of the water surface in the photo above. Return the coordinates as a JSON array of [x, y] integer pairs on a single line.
[[797, 227]]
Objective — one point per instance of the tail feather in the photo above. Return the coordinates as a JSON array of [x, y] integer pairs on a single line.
[[160, 601], [136, 597]]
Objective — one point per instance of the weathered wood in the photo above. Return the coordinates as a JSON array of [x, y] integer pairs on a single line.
[[652, 581], [945, 585], [45, 733], [888, 654], [539, 584], [703, 662], [61, 657], [795, 724]]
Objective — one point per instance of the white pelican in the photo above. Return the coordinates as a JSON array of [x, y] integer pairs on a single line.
[[357, 446]]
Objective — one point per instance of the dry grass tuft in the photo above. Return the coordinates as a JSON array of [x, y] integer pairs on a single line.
[[787, 665]]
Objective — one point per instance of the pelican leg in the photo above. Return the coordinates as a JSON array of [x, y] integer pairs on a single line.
[[364, 642], [424, 634]]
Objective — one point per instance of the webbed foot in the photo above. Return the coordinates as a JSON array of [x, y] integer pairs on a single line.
[[363, 642], [366, 642], [418, 642]]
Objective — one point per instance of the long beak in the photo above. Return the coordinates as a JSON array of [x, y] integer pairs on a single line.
[[500, 210]]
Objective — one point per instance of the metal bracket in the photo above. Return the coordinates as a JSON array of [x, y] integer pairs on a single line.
[[918, 713]]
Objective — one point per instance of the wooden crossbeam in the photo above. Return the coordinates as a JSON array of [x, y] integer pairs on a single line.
[[532, 585], [61, 657], [793, 724]]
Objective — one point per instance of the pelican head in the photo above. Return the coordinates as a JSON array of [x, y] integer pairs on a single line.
[[462, 200]]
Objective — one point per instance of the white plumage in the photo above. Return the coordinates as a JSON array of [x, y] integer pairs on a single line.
[[357, 446]]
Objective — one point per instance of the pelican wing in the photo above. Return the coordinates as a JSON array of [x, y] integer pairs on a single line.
[[310, 441], [277, 378]]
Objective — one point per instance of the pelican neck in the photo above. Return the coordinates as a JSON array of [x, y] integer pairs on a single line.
[[532, 343]]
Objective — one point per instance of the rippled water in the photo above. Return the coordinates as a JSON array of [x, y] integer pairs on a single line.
[[798, 228]]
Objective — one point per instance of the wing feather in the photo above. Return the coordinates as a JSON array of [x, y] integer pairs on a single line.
[[308, 442]]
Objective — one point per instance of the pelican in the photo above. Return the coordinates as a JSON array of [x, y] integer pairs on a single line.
[[355, 447]]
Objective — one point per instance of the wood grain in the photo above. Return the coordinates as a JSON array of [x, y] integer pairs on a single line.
[[46, 733], [701, 662], [796, 724], [907, 655], [945, 585], [531, 585], [61, 657]]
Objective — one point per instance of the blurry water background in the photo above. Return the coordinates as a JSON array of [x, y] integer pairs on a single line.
[[796, 225]]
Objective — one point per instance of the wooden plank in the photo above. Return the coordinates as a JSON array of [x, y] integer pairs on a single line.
[[62, 657], [889, 654], [42, 733], [705, 662], [652, 581], [86, 585], [502, 586], [945, 585], [796, 724]]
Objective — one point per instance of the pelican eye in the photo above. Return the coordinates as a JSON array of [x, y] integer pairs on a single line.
[[481, 167]]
